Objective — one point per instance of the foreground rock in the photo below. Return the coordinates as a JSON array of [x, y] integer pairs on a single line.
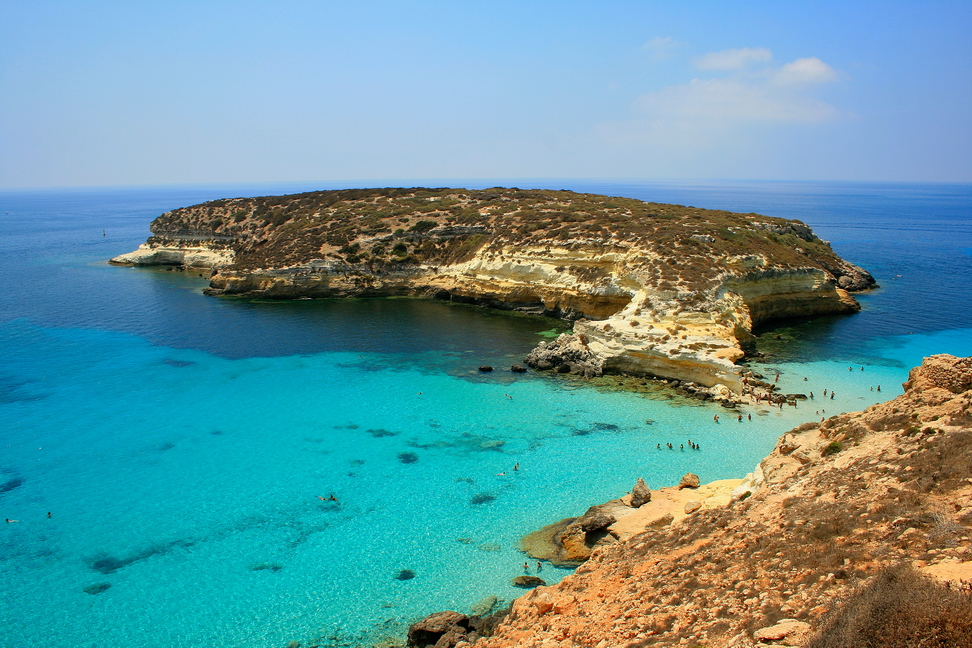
[[836, 539], [661, 290], [451, 629]]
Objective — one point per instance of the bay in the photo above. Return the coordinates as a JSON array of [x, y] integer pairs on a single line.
[[182, 443]]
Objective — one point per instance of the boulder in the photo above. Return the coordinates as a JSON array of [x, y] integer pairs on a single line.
[[640, 494], [790, 630], [485, 368], [689, 480], [452, 627], [518, 369], [595, 522], [692, 506], [662, 522], [569, 353], [528, 582]]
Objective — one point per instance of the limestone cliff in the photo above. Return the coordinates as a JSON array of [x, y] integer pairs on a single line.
[[843, 537], [658, 289]]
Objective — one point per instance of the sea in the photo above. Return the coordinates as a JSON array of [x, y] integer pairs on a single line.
[[180, 471]]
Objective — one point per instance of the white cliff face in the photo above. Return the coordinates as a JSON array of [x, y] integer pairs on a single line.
[[662, 333], [188, 256], [630, 327]]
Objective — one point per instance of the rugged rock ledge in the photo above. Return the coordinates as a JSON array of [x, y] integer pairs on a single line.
[[854, 531], [662, 290]]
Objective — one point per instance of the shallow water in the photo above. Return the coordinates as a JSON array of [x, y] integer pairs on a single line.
[[182, 443]]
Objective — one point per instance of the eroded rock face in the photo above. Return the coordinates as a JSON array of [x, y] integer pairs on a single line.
[[663, 290]]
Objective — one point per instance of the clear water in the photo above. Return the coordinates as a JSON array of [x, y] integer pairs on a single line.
[[182, 443]]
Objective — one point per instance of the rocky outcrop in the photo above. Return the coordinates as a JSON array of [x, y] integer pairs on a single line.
[[186, 252], [640, 495], [660, 290], [451, 629], [808, 550]]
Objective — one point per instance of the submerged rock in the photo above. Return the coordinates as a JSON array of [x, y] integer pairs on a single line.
[[485, 606], [528, 582], [97, 588], [11, 484], [274, 567], [405, 574]]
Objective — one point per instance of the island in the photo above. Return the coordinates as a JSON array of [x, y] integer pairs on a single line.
[[658, 290]]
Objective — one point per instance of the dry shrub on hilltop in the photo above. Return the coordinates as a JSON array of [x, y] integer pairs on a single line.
[[900, 609]]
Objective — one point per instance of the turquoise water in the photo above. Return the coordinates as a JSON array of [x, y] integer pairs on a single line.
[[182, 443]]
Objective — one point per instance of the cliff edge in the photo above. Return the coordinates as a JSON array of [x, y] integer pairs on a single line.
[[663, 290], [854, 531]]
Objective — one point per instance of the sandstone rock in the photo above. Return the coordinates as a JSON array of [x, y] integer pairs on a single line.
[[595, 522], [943, 371], [663, 521], [433, 628], [791, 630], [689, 480], [640, 494], [543, 603], [692, 506], [528, 582]]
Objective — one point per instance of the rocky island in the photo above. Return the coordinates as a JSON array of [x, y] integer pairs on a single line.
[[653, 289]]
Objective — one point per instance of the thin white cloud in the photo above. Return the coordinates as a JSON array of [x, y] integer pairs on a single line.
[[662, 47], [804, 71], [725, 115], [734, 99], [781, 94], [733, 59]]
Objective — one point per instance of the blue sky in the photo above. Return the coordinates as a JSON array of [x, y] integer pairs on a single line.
[[138, 93]]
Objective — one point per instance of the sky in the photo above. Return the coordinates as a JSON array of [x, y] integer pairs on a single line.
[[112, 93]]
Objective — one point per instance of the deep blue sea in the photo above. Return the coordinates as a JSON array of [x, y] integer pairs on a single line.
[[164, 453]]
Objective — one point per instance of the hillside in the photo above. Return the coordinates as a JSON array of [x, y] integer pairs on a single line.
[[854, 532]]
